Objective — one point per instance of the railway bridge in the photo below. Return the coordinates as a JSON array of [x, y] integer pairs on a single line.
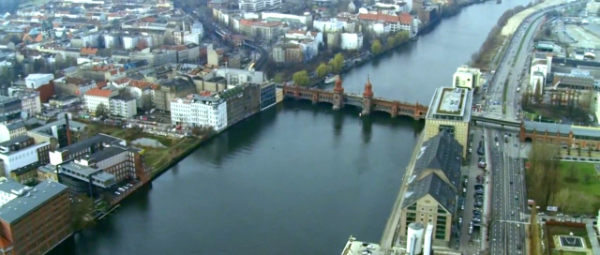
[[366, 101]]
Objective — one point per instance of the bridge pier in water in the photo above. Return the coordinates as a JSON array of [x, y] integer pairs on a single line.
[[366, 101]]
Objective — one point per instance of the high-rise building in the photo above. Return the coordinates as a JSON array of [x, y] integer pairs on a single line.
[[450, 111]]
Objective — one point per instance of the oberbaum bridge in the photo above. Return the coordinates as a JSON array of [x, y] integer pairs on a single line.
[[369, 103]]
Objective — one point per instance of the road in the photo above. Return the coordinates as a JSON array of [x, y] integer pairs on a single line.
[[504, 163], [508, 193], [212, 26], [513, 70], [504, 160]]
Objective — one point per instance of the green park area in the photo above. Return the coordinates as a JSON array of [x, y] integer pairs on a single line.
[[156, 157], [579, 187], [574, 187]]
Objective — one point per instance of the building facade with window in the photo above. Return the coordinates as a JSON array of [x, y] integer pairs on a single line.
[[206, 110], [450, 111], [34, 220], [433, 188]]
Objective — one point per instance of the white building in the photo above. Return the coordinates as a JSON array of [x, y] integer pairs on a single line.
[[351, 41], [300, 19], [130, 41], [258, 5], [143, 92], [331, 25], [200, 111], [95, 97], [123, 106], [236, 76], [35, 80], [466, 77], [541, 65], [30, 101], [14, 157], [12, 130]]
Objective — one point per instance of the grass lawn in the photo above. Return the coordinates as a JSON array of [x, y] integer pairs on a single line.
[[155, 158], [565, 231], [581, 180]]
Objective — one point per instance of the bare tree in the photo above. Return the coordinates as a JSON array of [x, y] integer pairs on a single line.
[[543, 175]]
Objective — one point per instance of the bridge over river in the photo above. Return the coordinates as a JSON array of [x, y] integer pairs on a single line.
[[366, 101]]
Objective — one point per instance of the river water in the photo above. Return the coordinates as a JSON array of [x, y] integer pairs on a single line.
[[298, 178]]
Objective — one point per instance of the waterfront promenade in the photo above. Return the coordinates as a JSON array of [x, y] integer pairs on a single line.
[[391, 227]]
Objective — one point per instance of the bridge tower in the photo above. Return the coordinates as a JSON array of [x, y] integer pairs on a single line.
[[338, 94], [367, 98]]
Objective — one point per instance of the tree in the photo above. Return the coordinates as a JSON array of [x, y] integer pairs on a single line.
[[82, 206], [589, 152], [337, 63], [543, 175], [579, 150], [402, 37], [391, 42], [279, 78], [538, 93], [376, 47], [101, 110], [322, 70], [301, 78]]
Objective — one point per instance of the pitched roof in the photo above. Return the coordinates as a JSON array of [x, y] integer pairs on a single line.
[[88, 51], [403, 18], [443, 154], [98, 92], [434, 186]]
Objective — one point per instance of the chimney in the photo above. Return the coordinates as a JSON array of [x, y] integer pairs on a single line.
[[68, 129]]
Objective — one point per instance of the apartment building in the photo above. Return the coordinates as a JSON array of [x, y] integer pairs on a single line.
[[261, 29], [242, 101], [123, 106], [23, 155], [143, 92], [171, 89], [96, 97], [73, 86], [31, 103], [259, 5], [388, 23], [12, 130], [34, 220], [433, 188], [10, 109], [204, 110]]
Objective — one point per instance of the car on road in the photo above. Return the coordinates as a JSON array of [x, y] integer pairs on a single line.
[[478, 186]]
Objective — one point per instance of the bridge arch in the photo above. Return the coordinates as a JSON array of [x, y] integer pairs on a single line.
[[528, 139]]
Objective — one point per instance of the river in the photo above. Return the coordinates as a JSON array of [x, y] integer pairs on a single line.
[[298, 178]]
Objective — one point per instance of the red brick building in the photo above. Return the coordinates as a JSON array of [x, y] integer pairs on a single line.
[[33, 220]]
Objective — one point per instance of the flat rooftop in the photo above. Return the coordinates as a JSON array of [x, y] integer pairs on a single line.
[[451, 104], [29, 199], [354, 247]]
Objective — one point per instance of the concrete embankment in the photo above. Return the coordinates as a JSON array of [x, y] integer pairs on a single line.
[[392, 225]]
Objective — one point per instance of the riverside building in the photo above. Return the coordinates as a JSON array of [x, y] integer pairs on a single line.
[[450, 111]]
